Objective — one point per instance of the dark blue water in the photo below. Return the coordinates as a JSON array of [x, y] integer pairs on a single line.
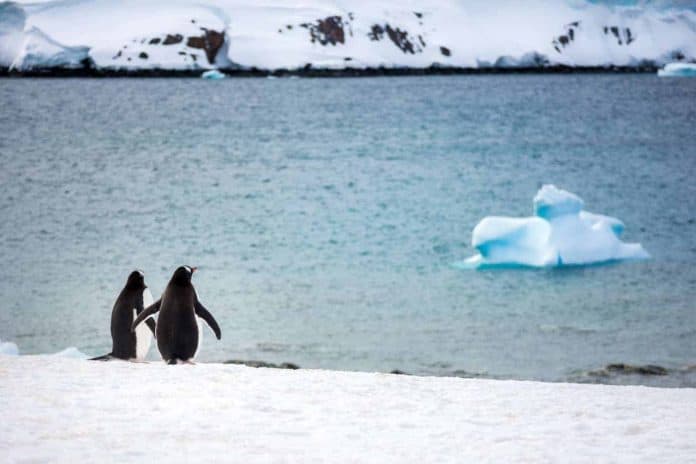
[[325, 215]]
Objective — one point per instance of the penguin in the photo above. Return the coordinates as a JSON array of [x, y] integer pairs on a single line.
[[178, 330], [131, 302]]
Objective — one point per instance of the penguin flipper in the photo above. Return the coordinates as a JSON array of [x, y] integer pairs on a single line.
[[151, 324], [145, 313], [207, 317], [104, 357]]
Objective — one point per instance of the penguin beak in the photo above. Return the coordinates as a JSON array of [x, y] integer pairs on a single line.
[[193, 269]]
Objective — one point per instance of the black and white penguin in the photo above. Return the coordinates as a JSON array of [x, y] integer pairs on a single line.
[[178, 329], [131, 302]]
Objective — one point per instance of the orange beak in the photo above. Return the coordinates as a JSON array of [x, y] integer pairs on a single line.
[[193, 269]]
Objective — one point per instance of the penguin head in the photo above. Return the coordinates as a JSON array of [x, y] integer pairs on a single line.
[[136, 280], [183, 274]]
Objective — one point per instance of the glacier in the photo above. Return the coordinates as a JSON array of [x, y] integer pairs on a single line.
[[559, 234], [194, 36]]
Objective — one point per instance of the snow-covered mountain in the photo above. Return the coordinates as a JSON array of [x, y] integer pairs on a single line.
[[336, 34]]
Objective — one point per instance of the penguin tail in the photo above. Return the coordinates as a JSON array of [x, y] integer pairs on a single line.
[[104, 357]]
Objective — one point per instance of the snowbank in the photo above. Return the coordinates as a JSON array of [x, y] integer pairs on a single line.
[[559, 234], [338, 34], [678, 70], [8, 349], [66, 410]]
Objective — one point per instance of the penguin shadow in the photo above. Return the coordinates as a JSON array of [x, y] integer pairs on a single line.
[[177, 330]]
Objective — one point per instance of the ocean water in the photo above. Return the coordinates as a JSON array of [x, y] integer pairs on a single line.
[[326, 214]]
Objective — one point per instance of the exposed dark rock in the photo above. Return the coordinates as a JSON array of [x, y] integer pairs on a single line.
[[419, 15], [173, 39], [143, 56], [155, 41], [677, 55], [194, 57], [326, 31], [644, 66], [376, 32], [118, 55], [564, 40], [648, 369], [625, 369], [285, 365], [615, 30], [400, 39], [629, 36], [182, 53], [347, 58], [210, 41], [399, 372], [445, 51]]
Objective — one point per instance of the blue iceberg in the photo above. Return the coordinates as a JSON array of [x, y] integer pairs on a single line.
[[559, 234], [213, 74], [678, 70]]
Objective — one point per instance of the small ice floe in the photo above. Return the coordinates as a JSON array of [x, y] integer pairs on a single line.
[[8, 348], [213, 74], [678, 70], [559, 234], [72, 353]]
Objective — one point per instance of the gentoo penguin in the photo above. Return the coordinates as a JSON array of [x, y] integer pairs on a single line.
[[178, 337], [131, 302]]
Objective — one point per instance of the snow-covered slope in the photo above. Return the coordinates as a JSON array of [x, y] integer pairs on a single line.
[[55, 409], [335, 34]]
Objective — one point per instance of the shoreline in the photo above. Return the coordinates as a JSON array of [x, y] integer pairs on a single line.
[[323, 72], [70, 410]]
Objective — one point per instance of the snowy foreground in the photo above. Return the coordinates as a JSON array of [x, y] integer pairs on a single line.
[[188, 35], [71, 410]]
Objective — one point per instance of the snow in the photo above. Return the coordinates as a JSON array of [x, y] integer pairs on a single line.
[[72, 353], [560, 234], [130, 34], [68, 410], [678, 70]]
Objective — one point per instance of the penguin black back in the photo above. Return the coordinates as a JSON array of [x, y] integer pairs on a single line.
[[178, 337], [130, 302]]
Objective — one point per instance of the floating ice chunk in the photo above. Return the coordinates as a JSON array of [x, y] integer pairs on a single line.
[[550, 202], [678, 70], [71, 352], [213, 74], [560, 234], [8, 348]]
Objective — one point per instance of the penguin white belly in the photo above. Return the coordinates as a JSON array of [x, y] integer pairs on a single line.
[[199, 326], [143, 336], [200, 335]]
